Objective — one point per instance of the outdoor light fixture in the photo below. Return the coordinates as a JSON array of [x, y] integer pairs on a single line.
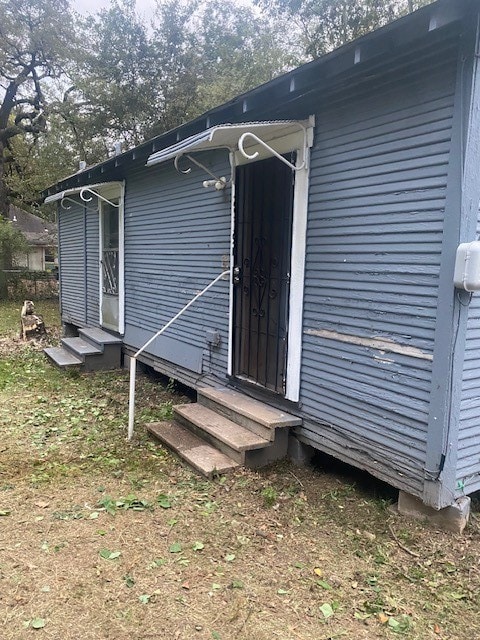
[[219, 183]]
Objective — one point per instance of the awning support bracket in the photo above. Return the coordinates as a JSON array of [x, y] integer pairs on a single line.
[[252, 156], [200, 166], [75, 202], [97, 195]]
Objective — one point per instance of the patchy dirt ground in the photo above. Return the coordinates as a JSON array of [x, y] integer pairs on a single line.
[[104, 539]]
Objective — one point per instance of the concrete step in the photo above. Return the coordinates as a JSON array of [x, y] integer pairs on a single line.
[[63, 358], [254, 415], [110, 348], [223, 434], [99, 337], [205, 459], [80, 348]]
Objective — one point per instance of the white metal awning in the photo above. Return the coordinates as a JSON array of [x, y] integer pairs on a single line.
[[227, 136], [105, 188]]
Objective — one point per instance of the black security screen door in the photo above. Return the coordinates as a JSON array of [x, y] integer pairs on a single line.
[[263, 214]]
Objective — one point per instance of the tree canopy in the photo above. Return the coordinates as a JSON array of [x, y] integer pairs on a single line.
[[70, 87]]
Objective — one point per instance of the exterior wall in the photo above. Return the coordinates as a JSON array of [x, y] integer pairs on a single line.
[[72, 264], [177, 240], [468, 452], [377, 196], [34, 260]]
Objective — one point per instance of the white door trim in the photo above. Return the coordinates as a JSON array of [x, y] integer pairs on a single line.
[[121, 258], [297, 280]]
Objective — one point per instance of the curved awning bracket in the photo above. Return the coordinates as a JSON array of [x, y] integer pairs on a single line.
[[96, 195], [76, 203], [217, 180], [257, 140]]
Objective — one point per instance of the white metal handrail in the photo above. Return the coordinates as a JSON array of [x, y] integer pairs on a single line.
[[133, 359]]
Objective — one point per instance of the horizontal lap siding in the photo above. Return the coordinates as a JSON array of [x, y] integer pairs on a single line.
[[468, 461], [71, 225], [177, 236], [93, 268], [377, 195]]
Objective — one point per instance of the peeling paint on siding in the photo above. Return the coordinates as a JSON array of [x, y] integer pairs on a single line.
[[381, 344]]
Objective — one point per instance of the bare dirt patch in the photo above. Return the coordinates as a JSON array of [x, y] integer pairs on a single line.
[[104, 539]]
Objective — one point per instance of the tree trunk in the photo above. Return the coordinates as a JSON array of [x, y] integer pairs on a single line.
[[4, 206]]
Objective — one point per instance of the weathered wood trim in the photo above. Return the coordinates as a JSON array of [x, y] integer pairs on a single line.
[[384, 345]]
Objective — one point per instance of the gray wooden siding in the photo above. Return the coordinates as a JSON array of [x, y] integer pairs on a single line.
[[92, 266], [376, 207], [177, 236], [71, 224], [468, 460]]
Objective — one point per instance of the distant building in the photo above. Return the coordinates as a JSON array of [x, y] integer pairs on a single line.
[[41, 237]]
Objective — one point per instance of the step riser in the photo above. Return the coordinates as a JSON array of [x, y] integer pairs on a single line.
[[63, 366], [73, 351], [98, 363], [257, 458], [112, 356], [231, 414], [186, 445], [237, 456]]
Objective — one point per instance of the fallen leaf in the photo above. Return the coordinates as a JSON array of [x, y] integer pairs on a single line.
[[318, 572], [324, 584], [163, 501], [327, 610], [38, 623], [437, 629], [106, 554], [383, 618]]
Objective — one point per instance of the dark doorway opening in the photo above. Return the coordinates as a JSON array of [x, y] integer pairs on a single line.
[[262, 253]]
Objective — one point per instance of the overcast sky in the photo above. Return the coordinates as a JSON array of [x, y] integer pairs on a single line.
[[144, 7]]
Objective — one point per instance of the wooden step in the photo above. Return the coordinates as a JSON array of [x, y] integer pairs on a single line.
[[205, 459], [63, 358], [230, 437], [98, 336], [80, 348], [256, 416]]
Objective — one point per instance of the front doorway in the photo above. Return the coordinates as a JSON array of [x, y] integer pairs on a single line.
[[110, 265], [264, 193]]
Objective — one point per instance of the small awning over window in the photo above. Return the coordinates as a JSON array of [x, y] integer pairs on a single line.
[[226, 136], [104, 188]]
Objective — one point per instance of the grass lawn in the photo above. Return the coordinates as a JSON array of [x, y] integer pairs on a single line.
[[109, 540]]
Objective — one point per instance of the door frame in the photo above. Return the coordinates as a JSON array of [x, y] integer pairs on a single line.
[[121, 257], [297, 264]]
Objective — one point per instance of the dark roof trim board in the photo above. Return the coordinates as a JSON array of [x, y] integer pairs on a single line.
[[376, 50]]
